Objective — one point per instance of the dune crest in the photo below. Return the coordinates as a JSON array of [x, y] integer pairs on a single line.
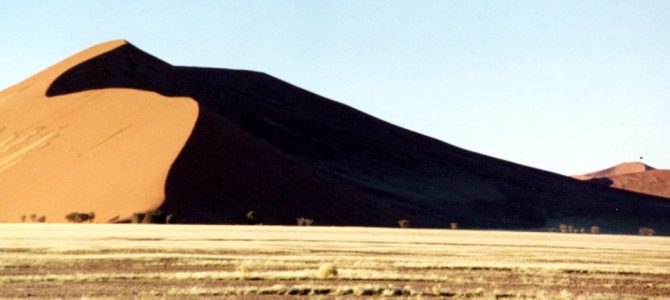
[[620, 169]]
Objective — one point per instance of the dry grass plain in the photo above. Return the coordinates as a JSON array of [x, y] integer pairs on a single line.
[[271, 262]]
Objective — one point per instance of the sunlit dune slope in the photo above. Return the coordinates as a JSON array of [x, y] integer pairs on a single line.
[[106, 151], [258, 143], [653, 182]]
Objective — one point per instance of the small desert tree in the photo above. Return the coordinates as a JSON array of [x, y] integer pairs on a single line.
[[76, 217], [254, 217], [646, 231], [73, 217]]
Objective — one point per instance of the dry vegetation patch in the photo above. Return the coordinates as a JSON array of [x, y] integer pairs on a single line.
[[51, 261]]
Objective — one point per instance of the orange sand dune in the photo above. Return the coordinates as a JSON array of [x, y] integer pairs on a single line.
[[634, 176], [114, 130], [653, 182], [105, 151], [622, 168]]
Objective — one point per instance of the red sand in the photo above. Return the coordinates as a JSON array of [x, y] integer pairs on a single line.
[[635, 176]]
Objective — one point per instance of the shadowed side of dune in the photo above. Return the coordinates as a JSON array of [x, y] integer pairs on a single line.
[[260, 143], [223, 171]]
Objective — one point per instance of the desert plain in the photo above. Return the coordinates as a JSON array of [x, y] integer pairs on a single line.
[[84, 261]]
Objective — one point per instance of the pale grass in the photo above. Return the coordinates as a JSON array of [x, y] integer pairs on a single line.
[[270, 253]]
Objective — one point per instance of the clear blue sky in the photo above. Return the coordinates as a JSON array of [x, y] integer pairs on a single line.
[[566, 86]]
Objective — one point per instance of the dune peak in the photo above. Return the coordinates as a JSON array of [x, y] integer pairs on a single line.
[[620, 169]]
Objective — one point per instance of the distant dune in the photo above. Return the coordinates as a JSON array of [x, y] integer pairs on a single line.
[[634, 176], [115, 131], [620, 169]]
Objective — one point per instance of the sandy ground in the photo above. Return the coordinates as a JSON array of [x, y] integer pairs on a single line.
[[267, 262], [105, 151]]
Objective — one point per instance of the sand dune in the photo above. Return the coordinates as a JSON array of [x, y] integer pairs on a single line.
[[115, 130], [620, 169], [106, 151], [636, 177]]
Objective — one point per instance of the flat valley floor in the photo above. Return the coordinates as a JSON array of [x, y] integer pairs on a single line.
[[89, 261]]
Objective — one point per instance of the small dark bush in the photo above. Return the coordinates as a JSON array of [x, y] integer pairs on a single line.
[[154, 217], [646, 231], [563, 228], [454, 226], [76, 217], [304, 221], [403, 223], [254, 217], [137, 218], [595, 229]]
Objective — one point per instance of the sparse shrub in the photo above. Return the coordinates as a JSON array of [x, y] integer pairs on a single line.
[[154, 217], [243, 267], [304, 221], [571, 229], [403, 223], [595, 229], [42, 219], [137, 218], [76, 217], [563, 228], [327, 270], [552, 229], [254, 217], [33, 217], [646, 231], [23, 219], [73, 217], [582, 230], [454, 226]]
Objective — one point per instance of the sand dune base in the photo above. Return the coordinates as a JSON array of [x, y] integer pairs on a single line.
[[106, 151]]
